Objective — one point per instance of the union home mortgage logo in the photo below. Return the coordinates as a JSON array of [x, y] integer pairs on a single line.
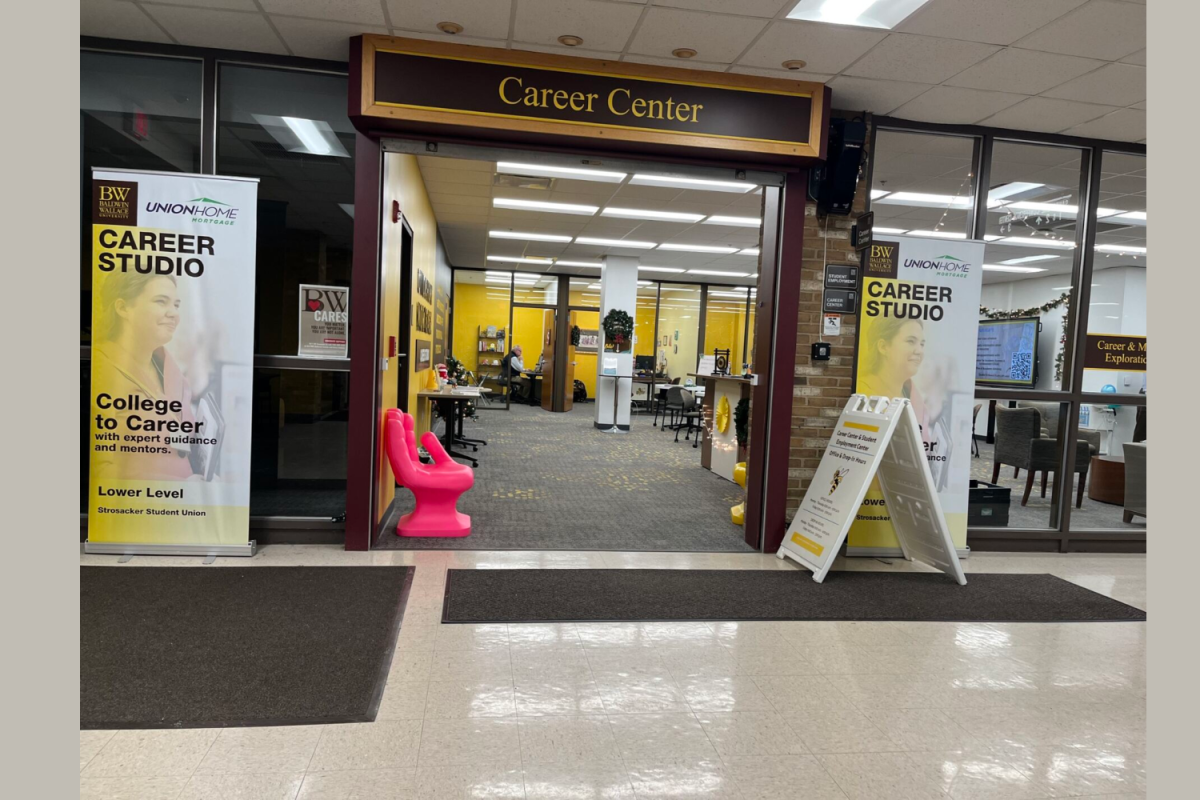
[[200, 209], [943, 266], [883, 259], [114, 202]]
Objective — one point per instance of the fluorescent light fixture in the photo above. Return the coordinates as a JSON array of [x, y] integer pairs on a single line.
[[532, 237], [1010, 268], [1030, 259], [734, 295], [717, 273], [501, 273], [1104, 304], [878, 193], [648, 213], [592, 264], [505, 281], [299, 135], [1107, 212], [628, 243], [692, 183], [885, 14], [697, 248], [1120, 248], [987, 237], [645, 283], [1139, 216], [737, 222], [1065, 209], [1067, 288], [921, 199], [541, 205], [1030, 241], [348, 208], [749, 251], [574, 173], [657, 269], [939, 234], [878, 229], [1009, 189], [522, 260]]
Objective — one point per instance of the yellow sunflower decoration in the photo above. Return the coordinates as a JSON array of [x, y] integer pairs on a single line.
[[723, 414]]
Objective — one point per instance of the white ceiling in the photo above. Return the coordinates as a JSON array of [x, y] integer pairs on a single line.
[[462, 193], [1054, 66]]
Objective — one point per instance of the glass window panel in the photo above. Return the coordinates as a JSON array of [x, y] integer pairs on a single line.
[[481, 310], [923, 184], [725, 323], [750, 330], [542, 289], [678, 329], [585, 292], [585, 360], [289, 129], [1031, 222], [1118, 301], [1007, 449], [1116, 489], [136, 112], [298, 450]]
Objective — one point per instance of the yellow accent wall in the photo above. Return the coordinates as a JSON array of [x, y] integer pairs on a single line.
[[585, 363], [643, 326], [476, 306], [529, 333], [679, 310], [724, 327]]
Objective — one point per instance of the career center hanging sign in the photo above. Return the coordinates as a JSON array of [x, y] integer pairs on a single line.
[[424, 87], [172, 362], [324, 321]]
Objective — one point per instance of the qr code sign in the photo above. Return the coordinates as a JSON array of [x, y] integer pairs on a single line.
[[1021, 368]]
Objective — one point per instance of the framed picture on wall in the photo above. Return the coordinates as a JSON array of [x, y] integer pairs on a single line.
[[424, 350], [589, 341]]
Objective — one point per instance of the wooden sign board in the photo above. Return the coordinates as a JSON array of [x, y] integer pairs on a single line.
[[874, 437]]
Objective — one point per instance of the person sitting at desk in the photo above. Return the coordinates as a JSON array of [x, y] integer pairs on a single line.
[[511, 366]]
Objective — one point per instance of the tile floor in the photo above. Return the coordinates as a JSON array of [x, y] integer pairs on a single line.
[[755, 711]]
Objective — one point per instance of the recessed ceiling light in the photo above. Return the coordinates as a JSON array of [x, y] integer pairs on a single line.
[[570, 41], [1120, 248], [522, 260], [451, 28], [749, 251], [629, 243], [592, 264], [718, 273], [684, 52], [1009, 268], [738, 222], [643, 268], [1030, 259], [1030, 241], [533, 237], [795, 64], [939, 234], [573, 173], [541, 205], [885, 14], [697, 248], [643, 179], [649, 213], [878, 229]]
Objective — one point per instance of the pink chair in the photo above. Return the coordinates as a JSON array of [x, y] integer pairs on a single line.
[[436, 488], [410, 438]]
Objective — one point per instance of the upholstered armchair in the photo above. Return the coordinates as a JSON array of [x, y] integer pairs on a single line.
[[1020, 444], [1135, 480]]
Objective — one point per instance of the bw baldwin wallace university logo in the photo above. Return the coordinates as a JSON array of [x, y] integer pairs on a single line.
[[114, 202]]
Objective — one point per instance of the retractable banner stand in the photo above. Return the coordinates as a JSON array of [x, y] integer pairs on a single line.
[[917, 325], [172, 358], [875, 439]]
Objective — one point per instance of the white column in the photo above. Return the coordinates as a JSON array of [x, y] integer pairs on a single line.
[[618, 289]]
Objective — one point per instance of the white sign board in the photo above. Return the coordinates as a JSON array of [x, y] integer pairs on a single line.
[[874, 437], [324, 321], [833, 325]]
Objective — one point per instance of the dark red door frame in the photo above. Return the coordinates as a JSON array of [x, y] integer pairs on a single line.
[[775, 326], [364, 340]]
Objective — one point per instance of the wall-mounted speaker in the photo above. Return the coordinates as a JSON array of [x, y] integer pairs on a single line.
[[832, 185]]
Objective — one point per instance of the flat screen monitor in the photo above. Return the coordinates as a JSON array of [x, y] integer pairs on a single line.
[[643, 363], [1006, 352]]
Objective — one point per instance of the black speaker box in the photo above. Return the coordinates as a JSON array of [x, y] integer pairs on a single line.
[[832, 185]]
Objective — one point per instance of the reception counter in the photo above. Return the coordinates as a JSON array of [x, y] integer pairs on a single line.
[[719, 451]]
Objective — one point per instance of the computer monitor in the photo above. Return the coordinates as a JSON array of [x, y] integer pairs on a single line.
[[643, 363], [541, 362]]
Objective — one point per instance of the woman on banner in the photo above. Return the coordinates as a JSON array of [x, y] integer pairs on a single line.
[[894, 352], [135, 317]]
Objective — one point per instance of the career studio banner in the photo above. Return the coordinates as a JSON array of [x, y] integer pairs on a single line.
[[172, 357], [918, 321]]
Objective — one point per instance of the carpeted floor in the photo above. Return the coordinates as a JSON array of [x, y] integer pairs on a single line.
[[170, 647], [617, 595], [553, 482]]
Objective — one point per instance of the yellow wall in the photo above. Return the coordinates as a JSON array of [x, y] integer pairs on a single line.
[[476, 306], [643, 327], [679, 311], [585, 363], [528, 332], [724, 327]]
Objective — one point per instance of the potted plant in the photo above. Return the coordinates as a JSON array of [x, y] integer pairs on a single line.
[[618, 331], [741, 427]]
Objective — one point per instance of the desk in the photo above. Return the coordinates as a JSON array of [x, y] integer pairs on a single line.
[[1106, 481], [720, 451], [451, 405], [535, 385]]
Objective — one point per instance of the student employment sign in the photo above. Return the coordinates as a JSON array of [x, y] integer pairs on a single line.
[[172, 357]]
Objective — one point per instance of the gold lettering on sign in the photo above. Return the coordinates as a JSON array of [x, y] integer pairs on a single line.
[[621, 102]]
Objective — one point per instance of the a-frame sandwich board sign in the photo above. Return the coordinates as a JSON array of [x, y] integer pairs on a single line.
[[874, 436]]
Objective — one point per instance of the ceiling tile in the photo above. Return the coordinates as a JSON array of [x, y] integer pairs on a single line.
[[1123, 125], [1104, 29], [1046, 115], [488, 20], [920, 59], [1114, 84], [238, 5], [367, 11], [878, 97], [310, 38], [783, 74], [985, 20], [115, 20], [578, 52], [205, 27], [951, 104], [746, 8], [1137, 58], [714, 37], [603, 26], [1023, 71], [826, 48], [438, 36], [678, 63]]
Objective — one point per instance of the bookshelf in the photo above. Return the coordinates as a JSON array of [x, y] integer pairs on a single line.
[[491, 348]]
